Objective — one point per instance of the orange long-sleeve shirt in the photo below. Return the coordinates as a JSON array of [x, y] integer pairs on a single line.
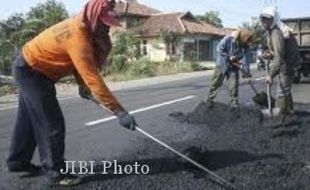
[[64, 48]]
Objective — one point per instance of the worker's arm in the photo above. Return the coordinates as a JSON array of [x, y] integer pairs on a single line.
[[223, 55], [82, 56], [84, 91], [277, 42], [228, 53], [222, 49]]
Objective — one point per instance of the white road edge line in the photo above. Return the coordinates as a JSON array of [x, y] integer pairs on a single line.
[[8, 107], [13, 106], [142, 110]]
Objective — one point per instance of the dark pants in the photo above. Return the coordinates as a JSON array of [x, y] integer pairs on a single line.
[[39, 120]]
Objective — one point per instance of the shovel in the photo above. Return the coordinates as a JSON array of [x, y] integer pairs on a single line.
[[260, 98], [268, 113]]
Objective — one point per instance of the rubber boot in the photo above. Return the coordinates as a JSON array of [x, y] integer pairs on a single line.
[[209, 103], [285, 105]]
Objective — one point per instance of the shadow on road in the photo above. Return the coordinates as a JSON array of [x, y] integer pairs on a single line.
[[291, 133], [213, 160], [219, 159]]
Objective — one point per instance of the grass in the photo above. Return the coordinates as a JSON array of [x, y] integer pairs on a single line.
[[7, 89], [145, 69]]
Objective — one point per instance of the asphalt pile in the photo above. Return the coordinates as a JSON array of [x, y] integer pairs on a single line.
[[221, 115], [250, 151]]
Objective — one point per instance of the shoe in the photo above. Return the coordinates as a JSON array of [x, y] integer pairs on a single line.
[[24, 167], [210, 104], [234, 107], [66, 180]]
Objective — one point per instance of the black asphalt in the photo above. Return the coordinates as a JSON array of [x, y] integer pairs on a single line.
[[108, 141]]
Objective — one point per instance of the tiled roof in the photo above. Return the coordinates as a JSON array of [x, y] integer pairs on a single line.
[[134, 8], [178, 22], [167, 21]]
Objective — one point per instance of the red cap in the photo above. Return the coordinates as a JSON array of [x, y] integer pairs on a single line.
[[109, 19]]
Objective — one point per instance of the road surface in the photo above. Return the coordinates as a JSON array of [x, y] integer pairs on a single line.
[[92, 135]]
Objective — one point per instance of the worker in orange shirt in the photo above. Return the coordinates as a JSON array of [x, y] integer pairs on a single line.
[[78, 45]]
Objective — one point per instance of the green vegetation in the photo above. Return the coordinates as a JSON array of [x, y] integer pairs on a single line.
[[126, 48], [143, 68], [256, 28], [19, 28], [211, 17], [7, 89], [127, 62]]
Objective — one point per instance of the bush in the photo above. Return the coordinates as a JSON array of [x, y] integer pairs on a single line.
[[119, 64], [7, 89], [125, 48], [142, 67], [169, 67], [195, 66]]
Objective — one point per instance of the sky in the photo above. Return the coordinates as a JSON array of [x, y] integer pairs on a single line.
[[232, 12]]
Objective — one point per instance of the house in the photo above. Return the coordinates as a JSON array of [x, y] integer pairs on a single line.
[[177, 36], [133, 14]]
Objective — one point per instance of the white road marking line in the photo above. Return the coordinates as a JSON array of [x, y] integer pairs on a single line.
[[260, 78], [142, 109]]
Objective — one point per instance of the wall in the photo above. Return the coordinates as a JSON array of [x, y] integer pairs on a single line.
[[187, 49], [156, 50]]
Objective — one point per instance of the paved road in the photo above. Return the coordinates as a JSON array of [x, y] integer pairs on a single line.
[[107, 141]]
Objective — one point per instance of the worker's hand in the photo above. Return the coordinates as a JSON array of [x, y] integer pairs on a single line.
[[268, 79], [247, 76], [233, 59], [268, 55], [126, 120], [84, 93]]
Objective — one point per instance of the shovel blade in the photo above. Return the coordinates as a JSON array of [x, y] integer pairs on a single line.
[[261, 99], [275, 112]]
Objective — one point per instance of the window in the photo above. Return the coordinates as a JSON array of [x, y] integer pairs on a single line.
[[144, 47], [170, 49]]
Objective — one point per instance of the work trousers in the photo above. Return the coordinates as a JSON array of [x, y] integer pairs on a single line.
[[39, 122], [284, 99], [217, 81]]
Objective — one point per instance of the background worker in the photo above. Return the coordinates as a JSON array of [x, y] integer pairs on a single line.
[[78, 45], [231, 49], [259, 57], [283, 51]]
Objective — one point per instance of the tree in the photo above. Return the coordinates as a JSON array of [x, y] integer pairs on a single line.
[[211, 17], [256, 28], [126, 46], [43, 16], [18, 29], [9, 40]]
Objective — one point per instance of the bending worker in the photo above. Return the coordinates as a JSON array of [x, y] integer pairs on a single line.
[[78, 45], [230, 51], [283, 51]]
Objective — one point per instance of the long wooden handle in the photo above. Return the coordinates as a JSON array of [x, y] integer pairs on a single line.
[[269, 89]]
